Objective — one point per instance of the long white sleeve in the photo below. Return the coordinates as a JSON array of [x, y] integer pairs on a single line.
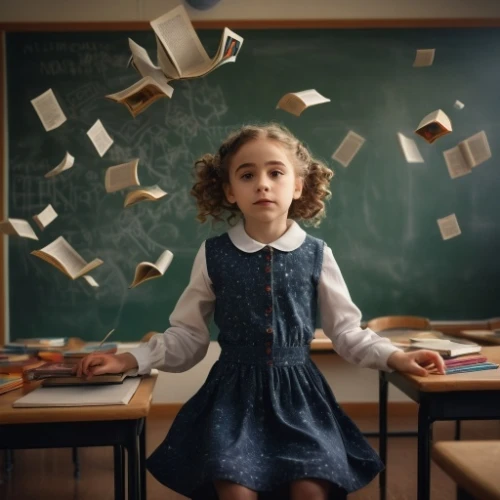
[[340, 320], [186, 342]]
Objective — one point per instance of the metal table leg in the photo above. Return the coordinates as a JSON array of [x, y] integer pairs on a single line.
[[424, 447], [383, 392], [119, 472]]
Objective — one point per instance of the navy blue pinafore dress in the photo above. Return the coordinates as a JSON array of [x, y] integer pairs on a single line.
[[265, 416]]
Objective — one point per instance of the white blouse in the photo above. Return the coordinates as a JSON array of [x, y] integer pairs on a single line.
[[186, 342]]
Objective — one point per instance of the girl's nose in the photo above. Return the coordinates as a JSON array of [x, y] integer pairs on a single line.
[[262, 185]]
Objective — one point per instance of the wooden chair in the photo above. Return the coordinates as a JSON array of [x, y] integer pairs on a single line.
[[388, 322], [473, 465]]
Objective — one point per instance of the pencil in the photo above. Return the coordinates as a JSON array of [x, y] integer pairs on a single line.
[[106, 337]]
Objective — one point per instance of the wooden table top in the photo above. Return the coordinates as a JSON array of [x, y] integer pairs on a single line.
[[138, 407], [473, 381], [473, 465]]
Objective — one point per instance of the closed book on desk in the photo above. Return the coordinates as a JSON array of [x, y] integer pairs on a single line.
[[446, 348], [85, 395]]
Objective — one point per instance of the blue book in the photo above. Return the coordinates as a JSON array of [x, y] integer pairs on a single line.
[[472, 368]]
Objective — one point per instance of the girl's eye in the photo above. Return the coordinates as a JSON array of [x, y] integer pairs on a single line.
[[276, 173], [246, 176]]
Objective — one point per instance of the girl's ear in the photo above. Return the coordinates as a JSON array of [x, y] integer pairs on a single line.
[[299, 185], [228, 191]]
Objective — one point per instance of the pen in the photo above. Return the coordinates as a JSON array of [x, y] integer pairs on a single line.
[[106, 337]]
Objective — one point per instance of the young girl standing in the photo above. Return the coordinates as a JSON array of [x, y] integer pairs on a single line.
[[265, 420]]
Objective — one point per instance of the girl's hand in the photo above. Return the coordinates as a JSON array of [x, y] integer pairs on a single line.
[[100, 363], [419, 362]]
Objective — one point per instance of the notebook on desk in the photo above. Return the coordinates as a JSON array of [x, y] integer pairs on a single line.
[[85, 395]]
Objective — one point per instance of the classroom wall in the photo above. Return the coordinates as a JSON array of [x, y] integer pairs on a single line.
[[142, 10], [350, 383]]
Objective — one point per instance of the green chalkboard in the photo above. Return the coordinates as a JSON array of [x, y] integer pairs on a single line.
[[381, 220]]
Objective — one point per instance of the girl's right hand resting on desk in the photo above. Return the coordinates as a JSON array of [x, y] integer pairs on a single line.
[[98, 364]]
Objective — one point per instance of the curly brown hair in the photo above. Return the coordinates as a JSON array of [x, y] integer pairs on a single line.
[[212, 172]]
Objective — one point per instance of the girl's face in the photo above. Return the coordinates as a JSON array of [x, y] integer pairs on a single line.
[[263, 181]]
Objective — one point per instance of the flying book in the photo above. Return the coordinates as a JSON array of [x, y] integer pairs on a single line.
[[66, 163], [141, 95], [100, 138], [180, 52], [64, 257], [152, 193], [348, 148], [459, 105], [122, 176], [147, 270], [446, 348], [45, 217], [296, 102], [468, 154], [434, 125], [448, 226], [17, 227], [424, 57]]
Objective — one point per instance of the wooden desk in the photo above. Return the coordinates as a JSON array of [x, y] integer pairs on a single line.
[[463, 396], [120, 426], [473, 465]]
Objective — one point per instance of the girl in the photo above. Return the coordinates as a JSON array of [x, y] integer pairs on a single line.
[[265, 419]]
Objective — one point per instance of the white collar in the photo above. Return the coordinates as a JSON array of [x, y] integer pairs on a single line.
[[291, 240]]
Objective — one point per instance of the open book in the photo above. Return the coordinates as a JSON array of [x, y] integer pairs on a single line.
[[64, 257], [410, 149], [66, 163], [147, 271], [296, 102], [152, 193], [348, 148], [469, 153], [180, 52], [122, 176], [17, 227], [434, 125], [45, 217]]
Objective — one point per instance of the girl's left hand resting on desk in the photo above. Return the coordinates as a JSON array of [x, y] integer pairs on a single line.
[[417, 362], [98, 364]]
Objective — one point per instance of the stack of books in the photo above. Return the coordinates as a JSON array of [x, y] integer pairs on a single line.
[[468, 364], [10, 383]]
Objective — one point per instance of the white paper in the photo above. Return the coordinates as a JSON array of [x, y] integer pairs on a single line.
[[81, 395], [45, 217], [122, 176], [91, 281], [424, 57], [48, 110], [100, 138], [17, 227], [296, 102], [410, 149], [66, 163], [459, 105], [348, 148], [448, 226]]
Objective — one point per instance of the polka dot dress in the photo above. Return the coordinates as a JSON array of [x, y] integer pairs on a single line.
[[265, 416]]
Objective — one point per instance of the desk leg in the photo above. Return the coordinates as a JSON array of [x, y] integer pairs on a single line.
[[133, 456], [382, 402], [142, 459], [76, 463], [119, 466], [424, 445]]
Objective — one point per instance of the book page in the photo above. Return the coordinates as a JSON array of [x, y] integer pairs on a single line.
[[166, 65], [152, 193], [348, 148], [17, 227], [478, 149], [63, 253], [448, 226], [66, 163], [457, 166], [122, 176], [45, 217], [296, 102], [48, 110], [459, 105], [178, 37], [100, 138], [410, 149], [164, 260], [424, 57]]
